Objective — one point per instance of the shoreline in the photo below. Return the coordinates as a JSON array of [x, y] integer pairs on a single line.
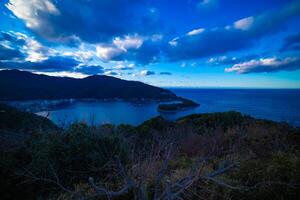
[[40, 105]]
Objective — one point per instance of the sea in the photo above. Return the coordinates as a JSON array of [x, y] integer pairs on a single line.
[[281, 105]]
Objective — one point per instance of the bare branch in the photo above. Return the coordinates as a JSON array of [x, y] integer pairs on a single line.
[[181, 185], [103, 191], [48, 180], [161, 173], [221, 183], [220, 171]]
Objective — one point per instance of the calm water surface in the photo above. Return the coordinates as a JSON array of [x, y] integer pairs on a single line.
[[278, 105]]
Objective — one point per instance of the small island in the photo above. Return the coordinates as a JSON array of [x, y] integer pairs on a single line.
[[181, 104]]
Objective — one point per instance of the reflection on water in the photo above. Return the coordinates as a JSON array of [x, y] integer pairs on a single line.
[[115, 112], [278, 105]]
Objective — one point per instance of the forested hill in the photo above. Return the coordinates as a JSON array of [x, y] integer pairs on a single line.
[[21, 85]]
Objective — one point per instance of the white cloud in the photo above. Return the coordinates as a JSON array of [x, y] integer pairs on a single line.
[[34, 51], [36, 57], [217, 60], [244, 24], [131, 65], [111, 73], [196, 32], [118, 47], [123, 67], [266, 65], [29, 10], [63, 74], [80, 55], [247, 66], [147, 73], [107, 53], [156, 37], [129, 42], [174, 42], [120, 66], [206, 4]]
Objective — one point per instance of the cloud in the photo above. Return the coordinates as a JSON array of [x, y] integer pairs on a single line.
[[89, 69], [128, 42], [19, 51], [23, 47], [196, 31], [207, 4], [8, 53], [244, 24], [118, 47], [123, 67], [108, 52], [241, 34], [220, 60], [11, 38], [266, 65], [9, 47], [124, 30], [82, 54], [230, 60], [291, 43], [118, 30], [31, 9], [51, 64], [35, 51], [147, 73], [193, 64], [111, 73], [149, 52], [96, 21], [165, 73], [63, 74], [142, 50]]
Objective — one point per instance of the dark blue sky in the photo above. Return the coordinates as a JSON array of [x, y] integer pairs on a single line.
[[197, 43]]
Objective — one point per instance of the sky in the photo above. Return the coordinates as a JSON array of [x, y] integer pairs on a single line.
[[178, 43]]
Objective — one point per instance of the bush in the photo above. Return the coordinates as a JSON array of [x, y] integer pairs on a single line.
[[266, 155], [76, 154], [276, 177]]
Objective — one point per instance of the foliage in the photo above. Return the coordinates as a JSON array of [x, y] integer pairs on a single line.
[[12, 119], [260, 160]]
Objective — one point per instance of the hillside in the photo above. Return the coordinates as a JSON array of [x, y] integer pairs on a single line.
[[206, 156], [21, 85], [17, 126]]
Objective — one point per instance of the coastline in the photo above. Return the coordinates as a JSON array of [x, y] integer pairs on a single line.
[[39, 105]]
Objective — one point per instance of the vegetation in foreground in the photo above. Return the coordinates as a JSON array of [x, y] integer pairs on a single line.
[[207, 156]]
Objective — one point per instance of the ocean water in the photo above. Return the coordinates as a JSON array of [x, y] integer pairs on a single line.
[[276, 104], [281, 105]]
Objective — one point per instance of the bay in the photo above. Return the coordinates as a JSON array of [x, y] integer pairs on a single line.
[[281, 105]]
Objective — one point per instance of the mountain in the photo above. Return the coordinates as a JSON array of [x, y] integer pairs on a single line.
[[21, 85]]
